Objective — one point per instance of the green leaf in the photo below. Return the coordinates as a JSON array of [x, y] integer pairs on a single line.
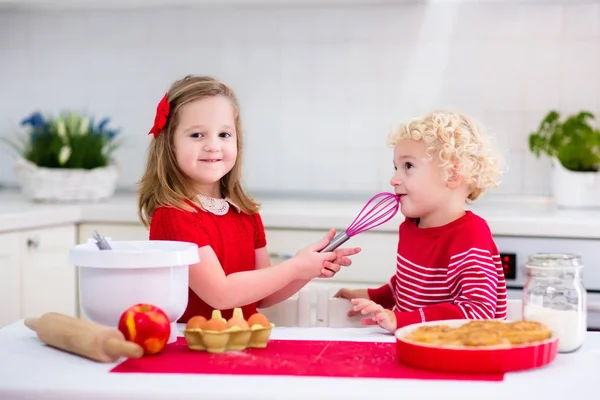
[[575, 143], [42, 144]]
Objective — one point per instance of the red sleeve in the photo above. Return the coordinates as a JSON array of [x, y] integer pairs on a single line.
[[476, 280], [260, 239], [384, 295], [170, 223]]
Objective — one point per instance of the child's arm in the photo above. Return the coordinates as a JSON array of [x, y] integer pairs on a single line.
[[263, 261], [207, 278], [220, 291], [473, 280], [382, 295], [476, 287]]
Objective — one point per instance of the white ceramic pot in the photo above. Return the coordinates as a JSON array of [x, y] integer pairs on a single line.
[[153, 272], [572, 189]]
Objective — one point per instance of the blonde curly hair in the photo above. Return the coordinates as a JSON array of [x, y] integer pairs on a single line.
[[460, 146]]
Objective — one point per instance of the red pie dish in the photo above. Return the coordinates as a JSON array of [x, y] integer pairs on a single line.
[[479, 346]]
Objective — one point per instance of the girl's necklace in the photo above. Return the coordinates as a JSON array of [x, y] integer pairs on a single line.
[[214, 206]]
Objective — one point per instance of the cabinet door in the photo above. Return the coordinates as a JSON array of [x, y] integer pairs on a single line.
[[48, 281], [112, 230], [10, 279]]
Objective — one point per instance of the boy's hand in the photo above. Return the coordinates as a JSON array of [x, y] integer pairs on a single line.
[[350, 294], [386, 319]]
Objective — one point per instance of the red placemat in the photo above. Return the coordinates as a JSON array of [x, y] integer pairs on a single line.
[[291, 357]]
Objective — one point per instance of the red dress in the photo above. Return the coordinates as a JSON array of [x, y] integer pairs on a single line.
[[233, 237]]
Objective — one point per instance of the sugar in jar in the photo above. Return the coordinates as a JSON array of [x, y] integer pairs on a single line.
[[554, 295]]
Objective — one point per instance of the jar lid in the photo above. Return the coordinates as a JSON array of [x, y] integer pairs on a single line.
[[548, 261]]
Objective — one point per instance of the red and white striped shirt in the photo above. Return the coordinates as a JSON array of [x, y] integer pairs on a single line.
[[447, 272]]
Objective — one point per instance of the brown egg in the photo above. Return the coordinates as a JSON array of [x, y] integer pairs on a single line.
[[237, 320], [196, 322], [215, 325], [259, 319], [216, 322]]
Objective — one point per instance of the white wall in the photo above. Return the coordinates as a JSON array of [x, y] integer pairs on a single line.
[[319, 87]]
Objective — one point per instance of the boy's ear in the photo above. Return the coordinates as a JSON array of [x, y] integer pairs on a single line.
[[455, 179]]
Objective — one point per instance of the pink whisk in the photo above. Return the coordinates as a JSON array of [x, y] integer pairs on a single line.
[[372, 215]]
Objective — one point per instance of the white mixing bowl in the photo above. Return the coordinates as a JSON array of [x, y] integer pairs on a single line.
[[153, 272]]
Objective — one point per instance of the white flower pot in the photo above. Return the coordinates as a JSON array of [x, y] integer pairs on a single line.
[[65, 185], [573, 189]]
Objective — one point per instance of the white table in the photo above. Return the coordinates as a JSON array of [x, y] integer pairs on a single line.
[[30, 370]]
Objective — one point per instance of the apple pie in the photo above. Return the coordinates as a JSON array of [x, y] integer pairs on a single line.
[[481, 333]]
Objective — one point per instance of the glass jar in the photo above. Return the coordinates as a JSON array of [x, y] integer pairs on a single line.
[[554, 295]]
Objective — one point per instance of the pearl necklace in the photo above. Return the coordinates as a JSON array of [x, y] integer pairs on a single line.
[[214, 206]]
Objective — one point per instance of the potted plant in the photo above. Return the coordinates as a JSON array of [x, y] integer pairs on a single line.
[[67, 158], [574, 147]]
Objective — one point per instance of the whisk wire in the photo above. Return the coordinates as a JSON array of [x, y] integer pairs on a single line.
[[378, 213], [360, 214]]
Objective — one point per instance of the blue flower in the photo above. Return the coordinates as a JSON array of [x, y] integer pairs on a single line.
[[38, 125], [111, 134], [35, 120], [103, 123]]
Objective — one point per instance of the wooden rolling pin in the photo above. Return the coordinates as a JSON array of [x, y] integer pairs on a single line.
[[85, 338]]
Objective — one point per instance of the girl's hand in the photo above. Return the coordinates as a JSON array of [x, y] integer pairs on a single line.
[[311, 264], [341, 260], [341, 257], [386, 319], [352, 294]]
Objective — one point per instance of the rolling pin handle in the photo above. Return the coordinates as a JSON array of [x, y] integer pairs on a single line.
[[30, 323], [120, 348]]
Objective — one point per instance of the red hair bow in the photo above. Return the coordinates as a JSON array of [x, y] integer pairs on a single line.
[[162, 113]]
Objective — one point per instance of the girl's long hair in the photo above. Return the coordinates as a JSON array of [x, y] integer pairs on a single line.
[[163, 182]]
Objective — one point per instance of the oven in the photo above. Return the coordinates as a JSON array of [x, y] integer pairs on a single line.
[[514, 252]]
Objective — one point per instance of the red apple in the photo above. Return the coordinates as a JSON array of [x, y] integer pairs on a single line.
[[146, 325]]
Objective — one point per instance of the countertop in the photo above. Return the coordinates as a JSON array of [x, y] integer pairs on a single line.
[[507, 216], [30, 370]]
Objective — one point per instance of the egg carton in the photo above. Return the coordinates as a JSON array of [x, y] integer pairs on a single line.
[[234, 338]]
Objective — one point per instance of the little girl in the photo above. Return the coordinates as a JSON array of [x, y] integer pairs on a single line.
[[191, 191], [448, 266]]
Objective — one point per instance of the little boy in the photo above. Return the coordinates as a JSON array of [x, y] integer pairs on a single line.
[[448, 266]]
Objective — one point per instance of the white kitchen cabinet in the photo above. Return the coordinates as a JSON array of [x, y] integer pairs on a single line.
[[114, 231], [47, 278], [141, 4], [35, 274], [145, 4], [10, 279], [374, 265]]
